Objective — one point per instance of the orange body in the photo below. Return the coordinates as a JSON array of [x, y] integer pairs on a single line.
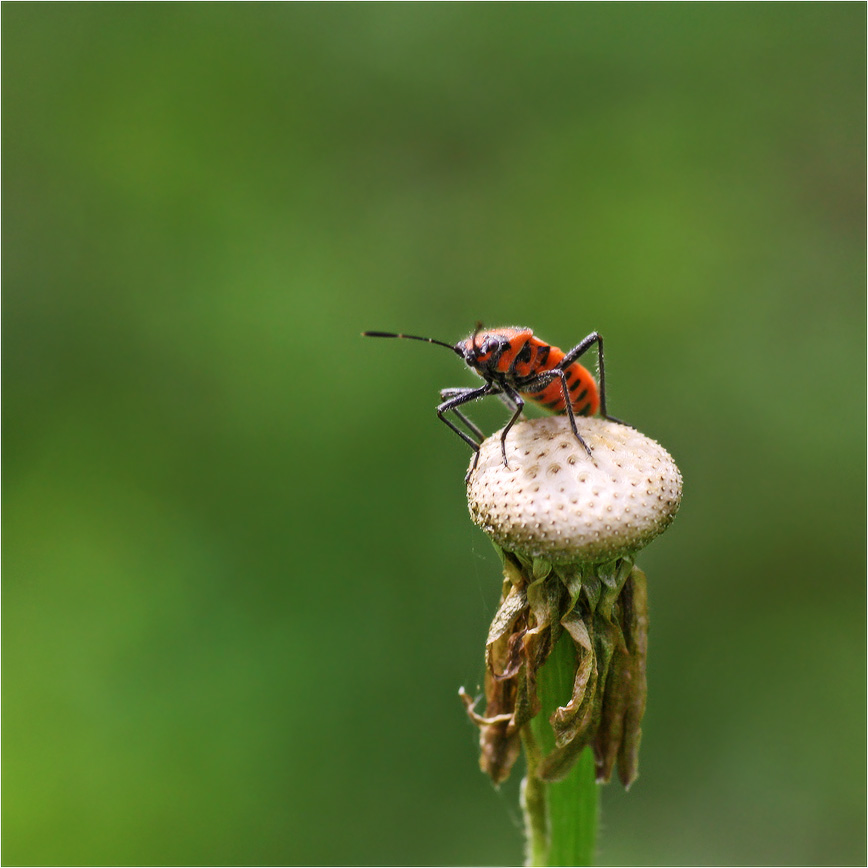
[[515, 357]]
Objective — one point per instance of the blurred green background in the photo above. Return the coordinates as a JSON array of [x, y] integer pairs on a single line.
[[242, 588]]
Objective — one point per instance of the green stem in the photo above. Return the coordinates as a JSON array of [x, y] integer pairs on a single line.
[[533, 803], [561, 818]]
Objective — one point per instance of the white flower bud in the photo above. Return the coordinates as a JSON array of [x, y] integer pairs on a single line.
[[554, 501]]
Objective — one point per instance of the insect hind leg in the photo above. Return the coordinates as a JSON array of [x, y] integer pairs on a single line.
[[579, 350]]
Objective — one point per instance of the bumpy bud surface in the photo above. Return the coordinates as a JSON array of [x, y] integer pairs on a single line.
[[556, 502]]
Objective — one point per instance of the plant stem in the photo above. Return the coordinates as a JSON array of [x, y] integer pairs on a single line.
[[561, 817], [533, 803]]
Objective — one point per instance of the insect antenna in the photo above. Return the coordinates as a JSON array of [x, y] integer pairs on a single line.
[[412, 338]]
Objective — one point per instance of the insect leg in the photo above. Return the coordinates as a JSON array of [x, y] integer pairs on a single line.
[[452, 393], [518, 403], [579, 350], [546, 377], [462, 396], [506, 400]]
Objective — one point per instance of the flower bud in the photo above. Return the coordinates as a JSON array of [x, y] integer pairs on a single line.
[[556, 501]]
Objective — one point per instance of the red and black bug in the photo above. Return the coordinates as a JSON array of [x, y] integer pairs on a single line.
[[517, 366]]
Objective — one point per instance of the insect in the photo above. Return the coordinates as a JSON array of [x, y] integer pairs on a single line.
[[518, 366]]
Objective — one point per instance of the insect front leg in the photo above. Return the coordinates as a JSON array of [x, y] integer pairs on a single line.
[[452, 393], [579, 350], [463, 396]]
